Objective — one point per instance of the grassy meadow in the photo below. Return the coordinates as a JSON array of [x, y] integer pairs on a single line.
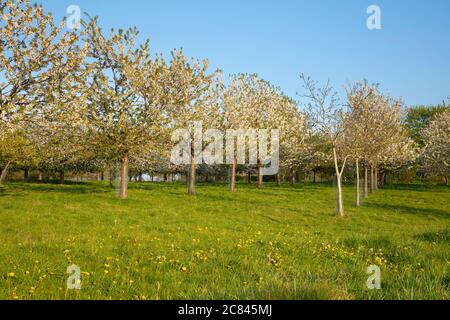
[[275, 243]]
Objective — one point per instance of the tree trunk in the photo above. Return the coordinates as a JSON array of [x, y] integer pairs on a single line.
[[383, 179], [192, 176], [40, 175], [4, 172], [26, 175], [314, 176], [249, 176], [233, 176], [358, 200], [446, 180], [260, 177], [62, 177], [111, 177], [372, 179], [366, 181], [376, 178], [124, 172], [340, 206], [293, 180], [278, 179]]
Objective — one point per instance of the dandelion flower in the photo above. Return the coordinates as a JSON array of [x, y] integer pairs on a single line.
[[378, 260]]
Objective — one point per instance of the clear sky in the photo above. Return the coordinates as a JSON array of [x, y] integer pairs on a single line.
[[409, 56]]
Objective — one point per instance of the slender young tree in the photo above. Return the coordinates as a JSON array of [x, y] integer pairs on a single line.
[[328, 122]]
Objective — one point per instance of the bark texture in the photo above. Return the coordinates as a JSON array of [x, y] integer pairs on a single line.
[[339, 173], [124, 172], [358, 199], [366, 182], [260, 177], [192, 176], [233, 176]]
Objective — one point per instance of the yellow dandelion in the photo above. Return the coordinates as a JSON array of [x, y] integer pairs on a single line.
[[86, 274], [183, 269], [106, 271], [378, 260], [11, 275]]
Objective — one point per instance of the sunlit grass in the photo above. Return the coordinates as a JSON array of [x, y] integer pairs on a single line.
[[275, 243]]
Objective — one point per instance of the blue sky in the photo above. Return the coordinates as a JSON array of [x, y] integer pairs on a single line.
[[409, 56]]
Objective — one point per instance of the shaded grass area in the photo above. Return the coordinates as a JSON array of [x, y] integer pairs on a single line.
[[275, 243]]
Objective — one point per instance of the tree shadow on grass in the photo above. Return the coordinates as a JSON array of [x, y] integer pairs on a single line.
[[72, 188], [270, 218], [402, 209], [155, 186], [418, 187], [442, 236], [3, 192]]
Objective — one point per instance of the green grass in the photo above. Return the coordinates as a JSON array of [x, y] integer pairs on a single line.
[[276, 243]]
